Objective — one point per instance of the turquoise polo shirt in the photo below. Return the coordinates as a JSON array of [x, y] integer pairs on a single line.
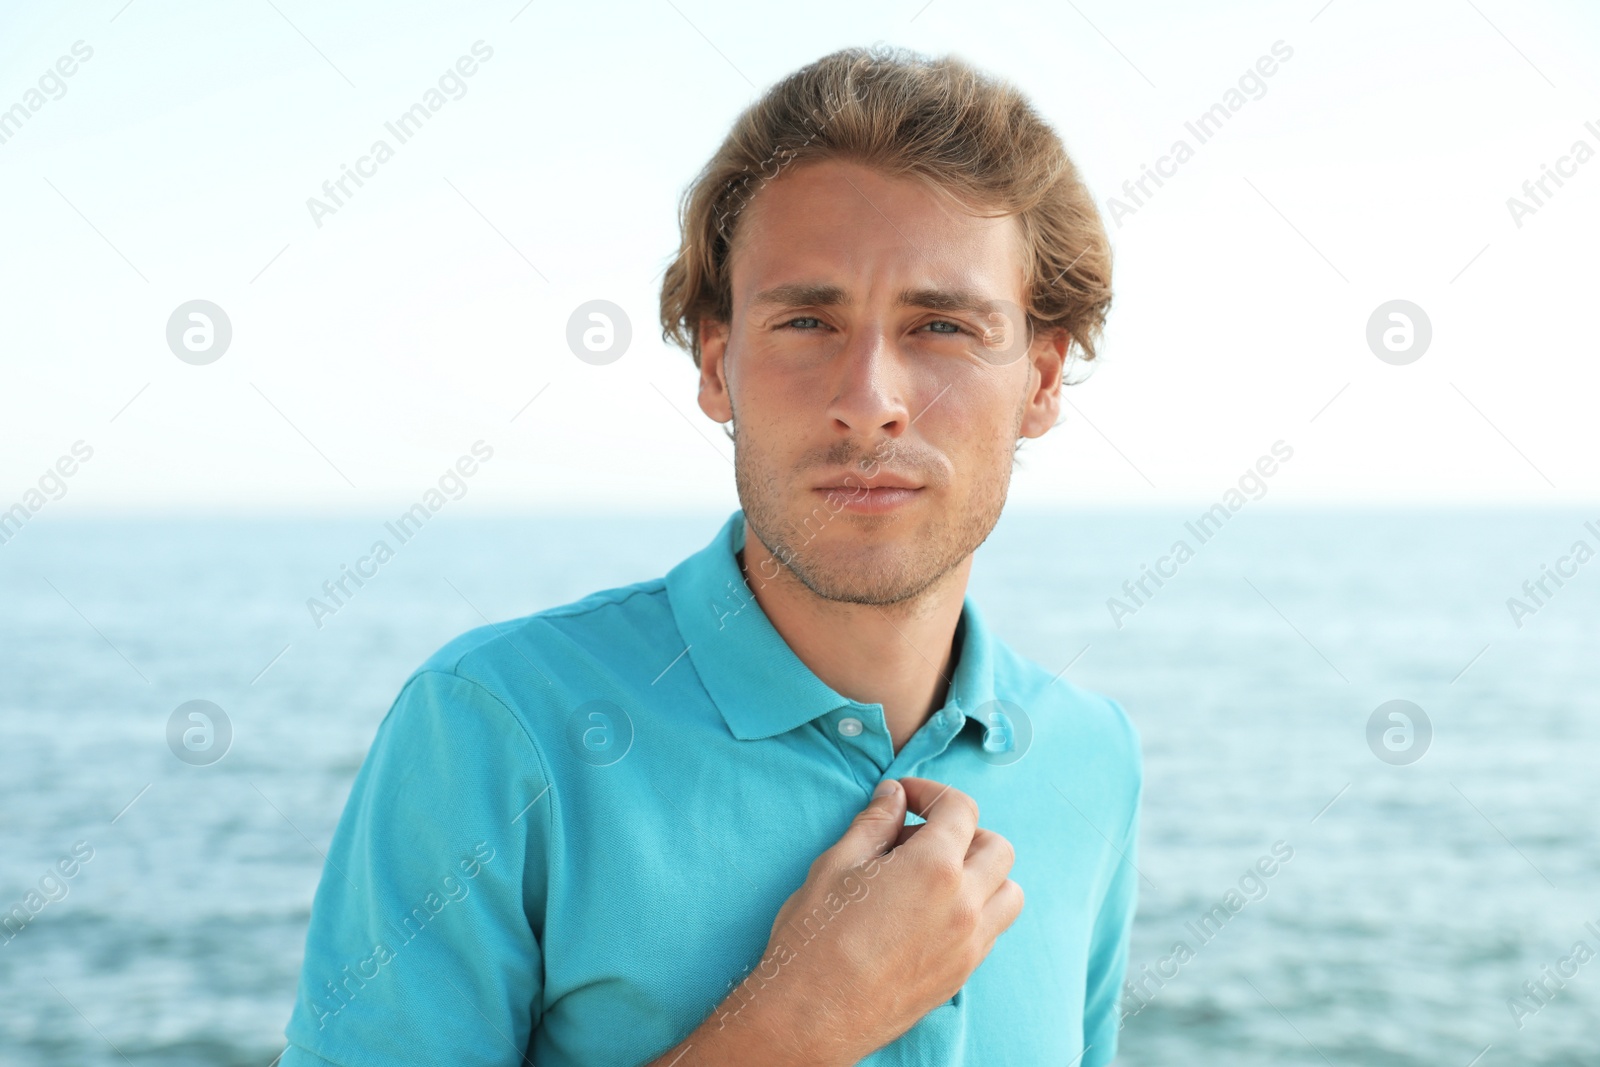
[[573, 831]]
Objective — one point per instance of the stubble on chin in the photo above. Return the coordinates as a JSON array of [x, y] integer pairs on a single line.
[[828, 553]]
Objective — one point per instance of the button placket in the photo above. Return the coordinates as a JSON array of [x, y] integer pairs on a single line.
[[863, 730]]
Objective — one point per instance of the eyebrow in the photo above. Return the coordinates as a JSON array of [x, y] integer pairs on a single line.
[[802, 294]]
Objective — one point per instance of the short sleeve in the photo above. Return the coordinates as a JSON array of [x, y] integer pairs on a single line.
[[424, 941]]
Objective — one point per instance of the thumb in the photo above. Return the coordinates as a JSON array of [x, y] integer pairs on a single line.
[[874, 831]]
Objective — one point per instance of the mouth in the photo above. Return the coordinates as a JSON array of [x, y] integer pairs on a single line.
[[867, 500]]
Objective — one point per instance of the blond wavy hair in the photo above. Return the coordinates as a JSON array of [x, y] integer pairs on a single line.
[[935, 119]]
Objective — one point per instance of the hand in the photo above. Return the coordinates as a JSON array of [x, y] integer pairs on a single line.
[[888, 925]]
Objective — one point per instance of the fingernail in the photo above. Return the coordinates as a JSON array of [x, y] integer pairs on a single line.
[[885, 787]]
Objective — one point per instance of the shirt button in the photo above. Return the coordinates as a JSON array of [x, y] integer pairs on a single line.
[[849, 726]]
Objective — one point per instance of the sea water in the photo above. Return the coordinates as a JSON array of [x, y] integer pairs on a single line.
[[1418, 910]]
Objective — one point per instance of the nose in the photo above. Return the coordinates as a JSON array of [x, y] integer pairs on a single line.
[[871, 394]]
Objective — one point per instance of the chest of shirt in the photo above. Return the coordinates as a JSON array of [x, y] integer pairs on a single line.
[[667, 867]]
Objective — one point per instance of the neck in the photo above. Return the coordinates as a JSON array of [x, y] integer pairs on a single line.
[[901, 656]]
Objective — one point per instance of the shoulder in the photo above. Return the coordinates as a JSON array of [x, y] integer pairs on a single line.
[[1088, 714], [601, 620], [540, 664], [1088, 726]]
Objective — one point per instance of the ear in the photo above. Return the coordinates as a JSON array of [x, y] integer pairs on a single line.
[[1047, 358], [715, 399]]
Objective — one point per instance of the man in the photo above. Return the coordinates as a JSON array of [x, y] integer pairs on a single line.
[[667, 823]]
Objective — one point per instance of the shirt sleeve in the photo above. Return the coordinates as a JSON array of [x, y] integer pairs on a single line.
[[424, 941], [1108, 945]]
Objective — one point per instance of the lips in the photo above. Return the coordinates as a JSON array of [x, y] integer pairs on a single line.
[[867, 500], [846, 482]]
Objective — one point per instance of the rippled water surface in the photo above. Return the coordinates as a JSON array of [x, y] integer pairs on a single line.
[[1415, 902]]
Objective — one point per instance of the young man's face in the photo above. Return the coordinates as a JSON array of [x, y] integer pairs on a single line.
[[835, 385]]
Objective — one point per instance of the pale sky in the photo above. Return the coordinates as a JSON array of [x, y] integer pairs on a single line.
[[368, 353]]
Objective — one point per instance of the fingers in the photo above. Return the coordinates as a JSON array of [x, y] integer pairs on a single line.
[[873, 831], [906, 833], [950, 813], [1002, 908], [989, 860]]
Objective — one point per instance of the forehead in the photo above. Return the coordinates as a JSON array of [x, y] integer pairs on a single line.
[[873, 235]]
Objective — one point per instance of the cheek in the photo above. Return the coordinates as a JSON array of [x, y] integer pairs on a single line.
[[978, 425]]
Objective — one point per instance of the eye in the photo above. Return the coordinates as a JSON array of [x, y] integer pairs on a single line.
[[954, 329], [814, 321]]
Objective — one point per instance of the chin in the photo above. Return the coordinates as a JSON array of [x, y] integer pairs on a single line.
[[882, 573]]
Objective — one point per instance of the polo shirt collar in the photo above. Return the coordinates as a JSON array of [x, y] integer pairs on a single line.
[[761, 687]]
